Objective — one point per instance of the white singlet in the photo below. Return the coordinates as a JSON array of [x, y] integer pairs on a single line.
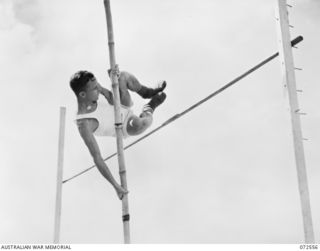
[[104, 114]]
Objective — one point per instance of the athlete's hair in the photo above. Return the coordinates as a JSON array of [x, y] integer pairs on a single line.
[[79, 80]]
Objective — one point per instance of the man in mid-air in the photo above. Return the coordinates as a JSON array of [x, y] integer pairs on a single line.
[[95, 117]]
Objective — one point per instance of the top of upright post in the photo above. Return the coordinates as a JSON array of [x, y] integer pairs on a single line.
[[287, 65]]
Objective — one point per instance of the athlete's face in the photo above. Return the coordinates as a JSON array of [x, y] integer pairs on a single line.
[[92, 90]]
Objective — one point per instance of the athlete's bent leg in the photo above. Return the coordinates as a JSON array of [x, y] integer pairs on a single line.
[[125, 97], [134, 85], [137, 125]]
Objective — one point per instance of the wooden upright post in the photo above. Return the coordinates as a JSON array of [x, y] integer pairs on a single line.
[[118, 123], [57, 218], [288, 68]]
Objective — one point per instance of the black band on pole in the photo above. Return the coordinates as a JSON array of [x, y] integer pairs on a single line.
[[126, 217]]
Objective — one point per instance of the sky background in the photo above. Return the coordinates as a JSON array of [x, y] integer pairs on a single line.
[[224, 173]]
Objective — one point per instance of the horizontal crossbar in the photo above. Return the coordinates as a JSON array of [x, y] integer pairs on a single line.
[[175, 117]]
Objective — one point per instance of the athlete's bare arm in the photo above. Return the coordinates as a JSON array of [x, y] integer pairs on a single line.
[[106, 93], [86, 128]]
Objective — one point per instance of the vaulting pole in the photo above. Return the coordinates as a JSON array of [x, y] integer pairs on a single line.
[[288, 69], [118, 123], [57, 218]]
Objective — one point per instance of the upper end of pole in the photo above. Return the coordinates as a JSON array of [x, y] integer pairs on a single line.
[[296, 40]]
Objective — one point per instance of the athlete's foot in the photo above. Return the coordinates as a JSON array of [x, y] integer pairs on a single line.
[[160, 86], [156, 100], [121, 192], [146, 92]]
